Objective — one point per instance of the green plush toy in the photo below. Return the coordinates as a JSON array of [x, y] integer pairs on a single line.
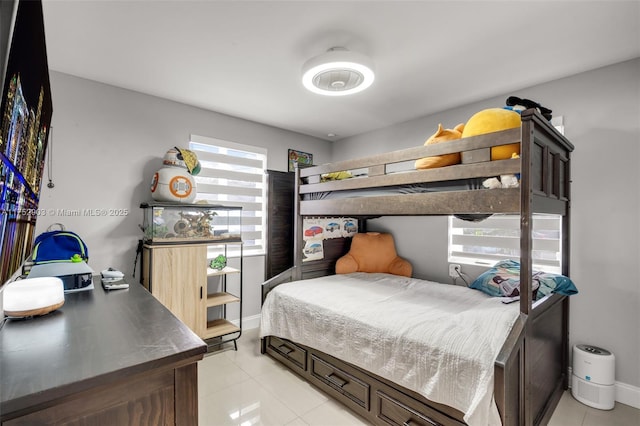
[[218, 263]]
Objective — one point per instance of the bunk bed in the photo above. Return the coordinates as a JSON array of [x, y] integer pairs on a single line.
[[530, 369]]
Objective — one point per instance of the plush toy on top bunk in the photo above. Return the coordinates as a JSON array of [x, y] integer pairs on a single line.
[[486, 121], [442, 135], [494, 120], [174, 181]]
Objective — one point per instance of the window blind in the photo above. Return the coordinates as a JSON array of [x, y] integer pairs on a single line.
[[233, 174], [498, 237]]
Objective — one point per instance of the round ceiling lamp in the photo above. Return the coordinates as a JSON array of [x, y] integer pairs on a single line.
[[338, 72]]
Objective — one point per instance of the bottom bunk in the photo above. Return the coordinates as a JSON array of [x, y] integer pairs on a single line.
[[365, 347]]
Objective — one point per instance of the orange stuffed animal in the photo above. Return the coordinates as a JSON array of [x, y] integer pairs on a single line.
[[373, 252], [442, 135]]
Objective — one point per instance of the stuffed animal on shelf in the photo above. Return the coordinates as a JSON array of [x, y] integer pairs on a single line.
[[442, 135], [326, 177], [493, 120], [174, 182], [373, 252]]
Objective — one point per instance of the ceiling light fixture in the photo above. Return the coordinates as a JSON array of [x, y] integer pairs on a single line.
[[338, 72]]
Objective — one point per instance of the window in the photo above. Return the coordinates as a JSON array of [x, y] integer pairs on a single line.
[[233, 175], [498, 237]]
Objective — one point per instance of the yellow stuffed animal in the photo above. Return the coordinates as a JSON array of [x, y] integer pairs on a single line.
[[494, 120], [442, 135]]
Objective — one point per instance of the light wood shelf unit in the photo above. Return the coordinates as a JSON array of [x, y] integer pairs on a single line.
[[179, 276]]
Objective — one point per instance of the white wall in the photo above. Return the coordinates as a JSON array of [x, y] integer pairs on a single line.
[[601, 111], [106, 144]]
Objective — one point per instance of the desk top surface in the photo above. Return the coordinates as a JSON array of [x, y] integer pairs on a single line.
[[96, 337]]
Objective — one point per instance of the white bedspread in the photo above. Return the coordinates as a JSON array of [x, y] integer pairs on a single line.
[[436, 339]]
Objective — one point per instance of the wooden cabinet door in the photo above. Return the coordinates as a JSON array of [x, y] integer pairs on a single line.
[[279, 250], [178, 277], [164, 398]]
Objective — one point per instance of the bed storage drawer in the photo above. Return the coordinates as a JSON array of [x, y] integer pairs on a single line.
[[290, 352], [343, 382], [395, 412]]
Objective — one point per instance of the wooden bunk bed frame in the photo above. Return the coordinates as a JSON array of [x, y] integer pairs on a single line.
[[531, 368]]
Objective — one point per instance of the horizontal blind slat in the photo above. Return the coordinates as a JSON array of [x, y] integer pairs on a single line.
[[252, 235], [211, 157], [222, 189], [500, 222], [229, 175], [490, 260], [504, 242]]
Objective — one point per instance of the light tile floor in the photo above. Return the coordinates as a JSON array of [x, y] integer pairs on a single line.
[[247, 388]]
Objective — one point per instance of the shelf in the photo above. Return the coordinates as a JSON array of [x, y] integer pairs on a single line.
[[226, 270], [197, 295], [220, 327], [217, 299]]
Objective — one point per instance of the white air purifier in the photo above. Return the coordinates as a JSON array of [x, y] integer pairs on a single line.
[[593, 378]]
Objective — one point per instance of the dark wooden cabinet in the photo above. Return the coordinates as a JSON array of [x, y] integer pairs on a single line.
[[104, 358], [279, 245], [148, 399]]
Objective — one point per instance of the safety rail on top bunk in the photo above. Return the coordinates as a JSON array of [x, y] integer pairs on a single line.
[[547, 159]]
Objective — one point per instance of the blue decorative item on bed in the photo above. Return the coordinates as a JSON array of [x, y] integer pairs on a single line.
[[503, 280]]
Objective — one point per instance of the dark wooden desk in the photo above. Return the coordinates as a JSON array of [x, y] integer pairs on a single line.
[[117, 357]]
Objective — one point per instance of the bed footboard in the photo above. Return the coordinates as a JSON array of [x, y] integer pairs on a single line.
[[509, 375], [548, 354], [537, 343]]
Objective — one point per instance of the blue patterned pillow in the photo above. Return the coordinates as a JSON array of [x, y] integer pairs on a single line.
[[503, 280]]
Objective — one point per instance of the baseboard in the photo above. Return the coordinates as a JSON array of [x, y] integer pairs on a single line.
[[628, 395], [625, 394], [249, 322]]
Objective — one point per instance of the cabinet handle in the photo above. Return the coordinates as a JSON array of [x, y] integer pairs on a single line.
[[412, 422], [285, 349], [200, 292], [336, 380]]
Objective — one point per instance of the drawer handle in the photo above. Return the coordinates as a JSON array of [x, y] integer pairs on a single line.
[[412, 422], [336, 380], [287, 350]]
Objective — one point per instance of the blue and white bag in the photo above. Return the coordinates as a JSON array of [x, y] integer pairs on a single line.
[[59, 246]]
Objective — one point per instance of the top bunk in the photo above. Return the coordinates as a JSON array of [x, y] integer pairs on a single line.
[[388, 184]]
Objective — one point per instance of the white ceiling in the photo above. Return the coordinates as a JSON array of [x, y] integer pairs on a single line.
[[243, 58]]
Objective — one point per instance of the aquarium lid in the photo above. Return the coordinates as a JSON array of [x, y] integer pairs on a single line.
[[149, 204]]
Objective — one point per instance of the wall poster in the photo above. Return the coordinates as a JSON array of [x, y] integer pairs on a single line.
[[302, 158]]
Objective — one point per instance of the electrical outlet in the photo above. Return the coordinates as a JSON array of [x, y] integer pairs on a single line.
[[454, 270]]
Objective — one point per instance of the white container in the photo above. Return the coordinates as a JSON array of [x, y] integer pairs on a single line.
[[32, 296], [593, 378]]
